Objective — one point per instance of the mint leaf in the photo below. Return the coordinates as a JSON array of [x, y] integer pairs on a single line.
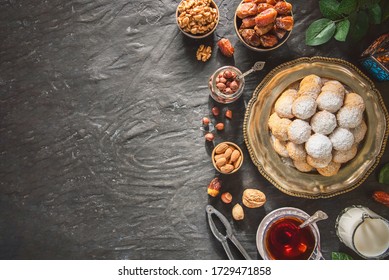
[[375, 14], [319, 32], [329, 9], [359, 25], [340, 256], [367, 3], [342, 28], [347, 6], [385, 10]]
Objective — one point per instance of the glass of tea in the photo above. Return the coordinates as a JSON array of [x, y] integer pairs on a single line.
[[280, 238]]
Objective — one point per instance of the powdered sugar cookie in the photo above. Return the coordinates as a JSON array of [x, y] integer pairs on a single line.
[[323, 122], [299, 131], [304, 107], [330, 170], [342, 139], [318, 146]]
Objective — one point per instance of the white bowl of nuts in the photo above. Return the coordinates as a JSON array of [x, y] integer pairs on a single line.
[[227, 157], [225, 86], [197, 18]]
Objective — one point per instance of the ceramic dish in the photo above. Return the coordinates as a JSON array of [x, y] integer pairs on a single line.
[[199, 36], [237, 24], [274, 168], [237, 164]]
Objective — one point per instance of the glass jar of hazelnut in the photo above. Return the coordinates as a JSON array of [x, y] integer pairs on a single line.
[[224, 85]]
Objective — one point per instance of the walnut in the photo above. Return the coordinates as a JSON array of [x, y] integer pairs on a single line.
[[203, 53], [253, 198], [197, 16]]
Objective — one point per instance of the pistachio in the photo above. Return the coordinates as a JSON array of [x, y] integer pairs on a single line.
[[237, 212]]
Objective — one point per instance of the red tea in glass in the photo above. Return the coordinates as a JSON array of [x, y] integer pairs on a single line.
[[286, 241]]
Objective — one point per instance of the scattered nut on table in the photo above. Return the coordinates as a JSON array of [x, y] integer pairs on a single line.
[[203, 53], [226, 197], [237, 212], [209, 136], [253, 198], [214, 187]]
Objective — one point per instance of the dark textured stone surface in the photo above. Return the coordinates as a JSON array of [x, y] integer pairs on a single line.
[[101, 153]]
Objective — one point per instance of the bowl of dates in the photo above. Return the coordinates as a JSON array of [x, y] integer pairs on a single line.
[[263, 25]]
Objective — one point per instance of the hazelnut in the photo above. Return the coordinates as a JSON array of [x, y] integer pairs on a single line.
[[209, 137], [219, 126], [205, 121], [229, 114], [215, 111], [228, 91], [234, 85], [227, 74], [226, 197], [221, 86], [237, 212]]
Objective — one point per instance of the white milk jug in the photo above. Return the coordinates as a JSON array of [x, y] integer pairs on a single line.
[[363, 231]]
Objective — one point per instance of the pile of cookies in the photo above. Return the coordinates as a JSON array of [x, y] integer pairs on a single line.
[[318, 124]]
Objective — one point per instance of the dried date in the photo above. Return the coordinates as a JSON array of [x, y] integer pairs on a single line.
[[263, 30], [250, 37], [285, 23], [381, 197], [280, 33], [263, 6], [268, 40], [225, 47], [266, 17], [283, 8], [248, 22], [246, 9]]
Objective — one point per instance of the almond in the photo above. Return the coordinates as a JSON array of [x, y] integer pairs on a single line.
[[220, 162], [235, 155], [227, 168], [228, 153], [221, 148], [237, 162]]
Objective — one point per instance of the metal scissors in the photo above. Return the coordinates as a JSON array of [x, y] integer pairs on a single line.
[[229, 235]]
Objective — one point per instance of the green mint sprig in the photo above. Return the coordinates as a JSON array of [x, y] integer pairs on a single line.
[[345, 19]]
